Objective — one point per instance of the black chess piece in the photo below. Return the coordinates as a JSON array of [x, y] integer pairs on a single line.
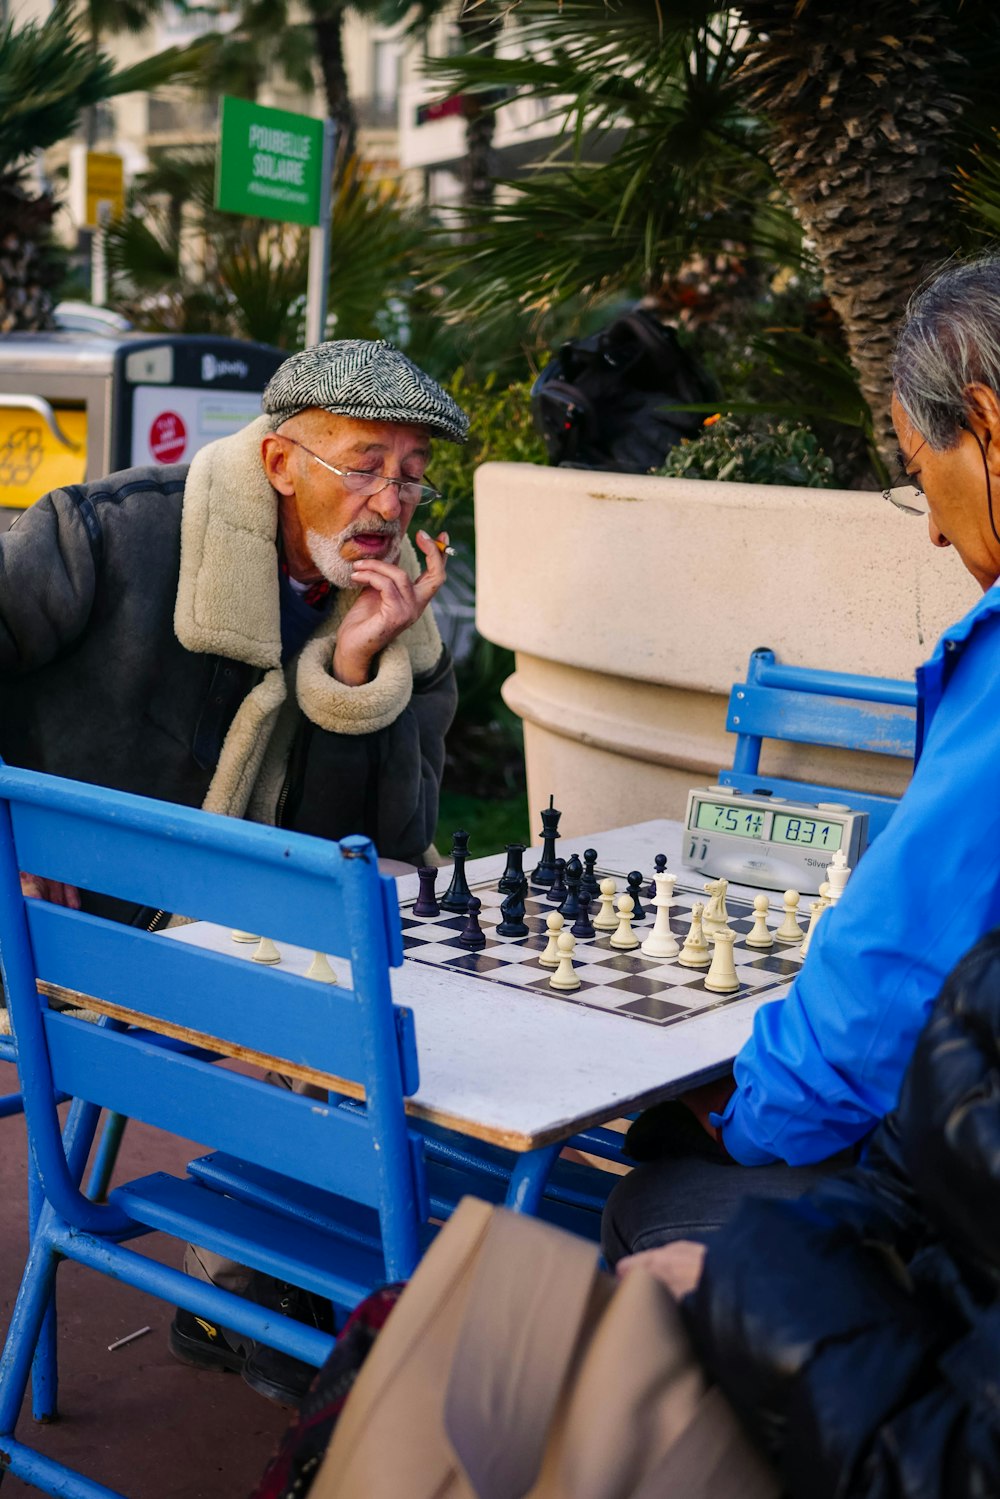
[[512, 910], [570, 908], [634, 883], [545, 870], [426, 902], [583, 926], [661, 863], [591, 884], [557, 890], [457, 896], [471, 935], [514, 873]]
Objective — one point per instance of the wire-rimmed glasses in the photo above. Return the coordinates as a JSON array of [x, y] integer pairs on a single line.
[[363, 481]]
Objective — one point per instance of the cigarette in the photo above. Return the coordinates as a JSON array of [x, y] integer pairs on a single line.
[[443, 547], [141, 1333]]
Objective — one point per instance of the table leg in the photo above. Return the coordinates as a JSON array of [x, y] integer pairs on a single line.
[[528, 1178]]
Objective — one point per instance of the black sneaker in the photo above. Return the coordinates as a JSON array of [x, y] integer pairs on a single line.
[[205, 1345], [276, 1375]]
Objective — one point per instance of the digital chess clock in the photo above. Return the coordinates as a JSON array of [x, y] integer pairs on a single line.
[[769, 840]]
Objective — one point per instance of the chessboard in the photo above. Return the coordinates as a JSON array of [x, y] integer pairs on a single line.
[[659, 991]]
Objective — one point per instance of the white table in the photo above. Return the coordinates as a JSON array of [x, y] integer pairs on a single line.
[[523, 1070]]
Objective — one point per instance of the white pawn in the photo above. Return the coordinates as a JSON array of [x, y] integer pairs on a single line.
[[661, 942], [721, 977], [789, 930], [716, 916], [245, 936], [267, 952], [694, 953], [837, 874], [606, 920], [624, 939], [550, 957], [565, 975], [760, 936], [320, 970]]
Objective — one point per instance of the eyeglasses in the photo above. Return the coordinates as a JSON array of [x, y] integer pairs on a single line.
[[363, 481], [906, 481]]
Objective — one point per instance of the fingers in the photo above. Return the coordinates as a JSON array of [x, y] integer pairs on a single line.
[[435, 573], [35, 887]]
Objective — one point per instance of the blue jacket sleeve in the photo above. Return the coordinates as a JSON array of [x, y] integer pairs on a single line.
[[825, 1064]]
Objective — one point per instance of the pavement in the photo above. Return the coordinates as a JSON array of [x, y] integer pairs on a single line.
[[134, 1419]]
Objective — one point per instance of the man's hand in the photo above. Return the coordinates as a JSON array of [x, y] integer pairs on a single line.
[[389, 603], [678, 1265], [34, 887]]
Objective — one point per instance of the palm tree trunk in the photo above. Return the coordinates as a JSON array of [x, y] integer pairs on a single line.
[[327, 24], [479, 31], [864, 145]]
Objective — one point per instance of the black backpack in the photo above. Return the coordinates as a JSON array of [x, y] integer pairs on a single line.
[[608, 401]]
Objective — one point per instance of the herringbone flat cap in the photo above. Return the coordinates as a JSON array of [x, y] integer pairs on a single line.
[[368, 379]]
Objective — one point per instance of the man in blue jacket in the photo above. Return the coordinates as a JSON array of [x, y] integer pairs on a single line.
[[824, 1065]]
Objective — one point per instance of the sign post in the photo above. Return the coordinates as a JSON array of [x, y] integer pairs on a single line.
[[97, 195], [273, 164]]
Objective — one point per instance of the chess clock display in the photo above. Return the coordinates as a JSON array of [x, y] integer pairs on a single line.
[[769, 841]]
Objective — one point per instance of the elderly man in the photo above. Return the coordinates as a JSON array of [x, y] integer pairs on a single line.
[[251, 634], [824, 1065]]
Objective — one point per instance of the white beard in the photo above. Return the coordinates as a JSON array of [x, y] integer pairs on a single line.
[[325, 552]]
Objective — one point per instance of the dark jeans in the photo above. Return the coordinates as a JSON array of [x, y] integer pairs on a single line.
[[692, 1186]]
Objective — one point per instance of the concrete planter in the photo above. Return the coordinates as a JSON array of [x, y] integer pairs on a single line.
[[632, 604]]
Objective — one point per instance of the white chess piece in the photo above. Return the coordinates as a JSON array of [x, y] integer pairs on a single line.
[[554, 924], [606, 920], [245, 936], [267, 952], [789, 930], [565, 975], [661, 942], [694, 953], [716, 916], [816, 909], [624, 939], [721, 977], [320, 970], [837, 874], [760, 936]]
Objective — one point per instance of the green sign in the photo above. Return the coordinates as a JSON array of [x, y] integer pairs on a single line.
[[270, 163]]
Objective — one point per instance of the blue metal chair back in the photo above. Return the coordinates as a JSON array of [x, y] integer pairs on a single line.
[[805, 706], [306, 891]]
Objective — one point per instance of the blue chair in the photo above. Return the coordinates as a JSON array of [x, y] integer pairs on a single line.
[[171, 1009], [805, 706]]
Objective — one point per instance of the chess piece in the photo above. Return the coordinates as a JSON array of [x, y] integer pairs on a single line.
[[816, 909], [554, 925], [789, 930], [694, 953], [716, 916], [320, 970], [245, 936], [267, 952], [545, 870], [590, 885], [760, 936], [606, 920], [661, 942], [514, 873], [583, 927], [565, 975], [512, 910], [660, 863], [634, 883], [837, 876], [471, 935], [457, 896], [721, 977], [624, 939], [570, 907], [557, 890], [426, 902]]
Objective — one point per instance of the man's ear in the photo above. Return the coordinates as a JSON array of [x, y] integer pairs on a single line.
[[275, 458], [982, 406]]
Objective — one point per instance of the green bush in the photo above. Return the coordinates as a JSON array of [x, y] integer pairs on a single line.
[[753, 452]]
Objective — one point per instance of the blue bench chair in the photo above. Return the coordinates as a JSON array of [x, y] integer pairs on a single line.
[[805, 706]]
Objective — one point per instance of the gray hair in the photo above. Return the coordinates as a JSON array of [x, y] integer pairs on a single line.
[[949, 339]]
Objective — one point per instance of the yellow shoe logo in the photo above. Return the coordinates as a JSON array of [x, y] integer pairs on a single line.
[[207, 1328]]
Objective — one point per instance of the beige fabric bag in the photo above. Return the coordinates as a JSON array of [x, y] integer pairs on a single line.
[[513, 1369]]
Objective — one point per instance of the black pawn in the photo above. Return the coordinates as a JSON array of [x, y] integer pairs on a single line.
[[545, 870], [457, 896], [583, 926], [512, 910], [471, 935], [635, 890], [514, 873], [661, 863], [591, 885], [426, 902], [557, 890], [570, 908]]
